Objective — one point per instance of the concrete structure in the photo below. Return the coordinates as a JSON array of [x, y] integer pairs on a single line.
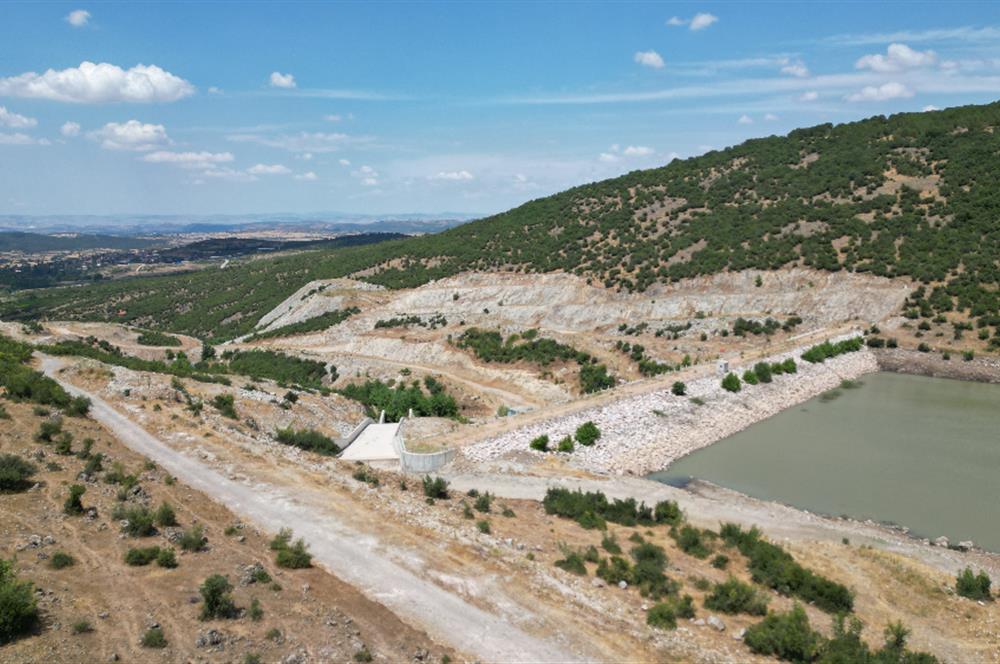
[[375, 442], [411, 462]]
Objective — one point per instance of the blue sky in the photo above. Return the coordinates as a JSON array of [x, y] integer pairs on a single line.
[[203, 108]]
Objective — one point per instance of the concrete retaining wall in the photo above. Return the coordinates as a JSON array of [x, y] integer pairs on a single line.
[[411, 462], [351, 437]]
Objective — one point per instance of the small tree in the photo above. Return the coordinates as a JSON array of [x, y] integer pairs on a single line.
[[678, 389], [763, 371], [973, 586], [165, 516], [540, 443], [435, 487], [73, 506], [295, 556], [15, 473], [587, 433], [153, 638], [566, 444], [193, 539], [18, 608], [787, 636], [750, 377], [217, 602], [731, 383]]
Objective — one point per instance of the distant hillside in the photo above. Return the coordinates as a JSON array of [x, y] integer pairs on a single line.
[[35, 242], [914, 194]]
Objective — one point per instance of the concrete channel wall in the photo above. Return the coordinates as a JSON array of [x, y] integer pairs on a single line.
[[411, 462]]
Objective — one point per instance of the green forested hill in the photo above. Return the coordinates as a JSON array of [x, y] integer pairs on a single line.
[[913, 194]]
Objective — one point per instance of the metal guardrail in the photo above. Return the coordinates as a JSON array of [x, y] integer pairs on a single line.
[[412, 462]]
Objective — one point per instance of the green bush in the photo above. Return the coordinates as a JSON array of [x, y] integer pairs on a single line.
[[587, 434], [216, 599], [165, 516], [225, 404], [731, 383], [193, 539], [15, 473], [61, 560], [483, 502], [435, 487], [662, 616], [82, 627], [540, 443], [573, 563], [72, 506], [140, 557], [615, 570], [749, 377], [398, 400], [973, 586], [154, 338], [786, 636], [139, 521], [483, 526], [307, 439], [18, 607], [763, 371], [294, 556], [610, 544], [154, 638], [826, 350], [678, 389], [166, 558], [690, 540], [734, 596], [256, 613], [720, 561], [566, 444]]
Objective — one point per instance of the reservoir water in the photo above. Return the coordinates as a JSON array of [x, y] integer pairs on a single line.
[[916, 451]]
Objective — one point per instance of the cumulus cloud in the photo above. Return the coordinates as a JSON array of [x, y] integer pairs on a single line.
[[797, 69], [189, 159], [745, 120], [810, 95], [884, 92], [15, 120], [308, 176], [269, 169], [607, 157], [637, 151], [99, 84], [70, 129], [452, 175], [78, 18], [649, 59], [279, 80], [897, 58], [131, 135], [333, 117], [19, 138], [344, 162], [930, 107], [615, 153], [770, 117], [697, 22]]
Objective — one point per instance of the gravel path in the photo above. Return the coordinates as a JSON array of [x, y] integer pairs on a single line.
[[358, 558]]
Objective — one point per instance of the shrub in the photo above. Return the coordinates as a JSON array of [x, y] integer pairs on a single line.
[[763, 372], [678, 389], [734, 596], [587, 434], [139, 521], [294, 556], [281, 540], [61, 560], [572, 563], [973, 586], [662, 616], [483, 526], [307, 439], [749, 377], [367, 475], [15, 473], [193, 539], [615, 570], [363, 655], [18, 607], [94, 465], [508, 512], [586, 506], [594, 378], [691, 542], [541, 443], [256, 613], [720, 561], [566, 444], [166, 558], [48, 430], [483, 502], [72, 505], [82, 627], [165, 516], [826, 350], [64, 443], [772, 566], [731, 383], [216, 600], [77, 407], [225, 404], [140, 557], [153, 638], [786, 636], [610, 544], [436, 487]]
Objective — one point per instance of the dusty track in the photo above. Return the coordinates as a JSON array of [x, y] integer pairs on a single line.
[[355, 556]]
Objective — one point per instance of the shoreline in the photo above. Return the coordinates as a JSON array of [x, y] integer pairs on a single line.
[[899, 360]]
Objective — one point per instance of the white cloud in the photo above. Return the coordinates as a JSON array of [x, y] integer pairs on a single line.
[[78, 18], [897, 58], [367, 175], [15, 120], [18, 138], [810, 95], [189, 159], [745, 120], [98, 84], [344, 162], [697, 22], [649, 59], [229, 174], [796, 69], [305, 156], [333, 117], [884, 92], [212, 90], [369, 182], [308, 176], [607, 158], [269, 169], [131, 135], [637, 151], [302, 142], [70, 129], [930, 107], [770, 117], [279, 80], [702, 21], [452, 175]]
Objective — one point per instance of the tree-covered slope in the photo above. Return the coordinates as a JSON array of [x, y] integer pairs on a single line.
[[913, 194]]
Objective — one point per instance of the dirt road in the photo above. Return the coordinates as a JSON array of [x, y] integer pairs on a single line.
[[382, 573]]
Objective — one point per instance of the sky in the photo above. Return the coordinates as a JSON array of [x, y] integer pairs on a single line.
[[424, 107]]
